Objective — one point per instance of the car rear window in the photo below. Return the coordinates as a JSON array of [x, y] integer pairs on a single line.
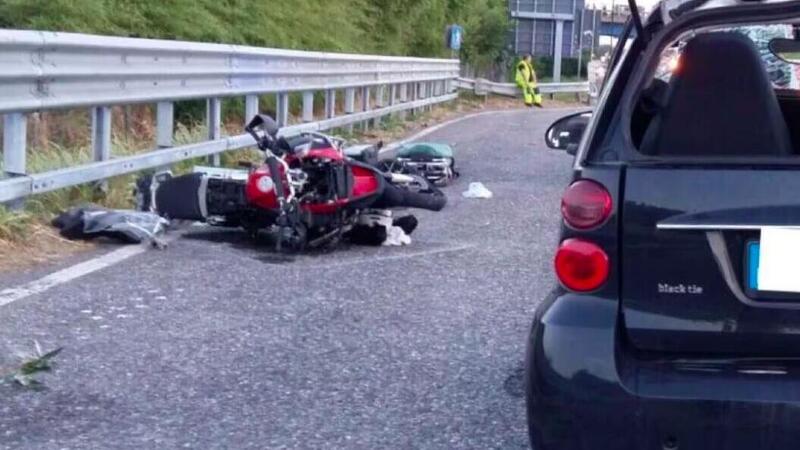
[[783, 75], [739, 85]]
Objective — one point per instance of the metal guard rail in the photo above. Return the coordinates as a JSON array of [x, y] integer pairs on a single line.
[[46, 70], [482, 87]]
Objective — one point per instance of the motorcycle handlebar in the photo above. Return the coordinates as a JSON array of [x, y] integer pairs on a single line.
[[264, 130]]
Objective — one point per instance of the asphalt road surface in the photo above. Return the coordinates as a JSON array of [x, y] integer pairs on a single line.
[[216, 342]]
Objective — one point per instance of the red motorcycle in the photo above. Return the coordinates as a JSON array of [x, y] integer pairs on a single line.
[[307, 193]]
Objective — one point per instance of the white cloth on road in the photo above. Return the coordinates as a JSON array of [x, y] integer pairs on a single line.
[[395, 236], [477, 190]]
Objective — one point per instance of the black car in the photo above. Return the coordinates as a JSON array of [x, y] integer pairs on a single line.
[[676, 322]]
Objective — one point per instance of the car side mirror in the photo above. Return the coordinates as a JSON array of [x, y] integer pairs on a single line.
[[566, 133]]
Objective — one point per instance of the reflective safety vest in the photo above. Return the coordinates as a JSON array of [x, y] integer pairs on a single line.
[[525, 76]]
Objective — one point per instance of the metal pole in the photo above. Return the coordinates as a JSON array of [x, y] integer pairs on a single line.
[[165, 128], [213, 122], [380, 102], [165, 121], [365, 104], [14, 143], [580, 43], [250, 107], [330, 104], [101, 139], [613, 24], [101, 133], [308, 106], [515, 16], [558, 44], [350, 104], [403, 99], [283, 109], [594, 34]]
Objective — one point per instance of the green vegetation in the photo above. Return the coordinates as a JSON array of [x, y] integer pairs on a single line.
[[393, 27]]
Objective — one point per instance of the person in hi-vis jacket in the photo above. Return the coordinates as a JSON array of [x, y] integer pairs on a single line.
[[526, 80]]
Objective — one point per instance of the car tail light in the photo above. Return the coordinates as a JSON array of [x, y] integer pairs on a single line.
[[586, 204], [581, 265]]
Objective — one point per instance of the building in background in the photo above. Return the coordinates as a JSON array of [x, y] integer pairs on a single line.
[[614, 19], [555, 28], [561, 28]]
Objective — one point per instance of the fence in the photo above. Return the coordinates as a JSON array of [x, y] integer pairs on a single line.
[[483, 87], [44, 71]]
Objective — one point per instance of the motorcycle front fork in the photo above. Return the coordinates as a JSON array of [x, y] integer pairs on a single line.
[[292, 232]]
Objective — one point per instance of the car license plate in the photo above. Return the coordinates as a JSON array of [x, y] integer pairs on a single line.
[[772, 262]]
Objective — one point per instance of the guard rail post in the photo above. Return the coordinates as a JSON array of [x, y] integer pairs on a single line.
[[250, 108], [365, 105], [282, 109], [330, 103], [403, 98], [213, 122], [380, 102], [15, 132], [101, 138], [308, 106], [165, 129], [393, 92], [350, 105]]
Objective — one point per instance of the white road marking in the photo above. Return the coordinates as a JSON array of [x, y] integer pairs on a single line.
[[70, 273]]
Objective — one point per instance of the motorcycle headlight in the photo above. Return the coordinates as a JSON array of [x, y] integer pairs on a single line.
[[265, 184]]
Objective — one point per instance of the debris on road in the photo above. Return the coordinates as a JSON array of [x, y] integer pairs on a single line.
[[127, 226], [477, 190], [396, 237], [380, 229], [31, 366]]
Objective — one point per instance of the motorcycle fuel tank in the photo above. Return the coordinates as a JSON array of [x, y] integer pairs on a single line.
[[260, 189]]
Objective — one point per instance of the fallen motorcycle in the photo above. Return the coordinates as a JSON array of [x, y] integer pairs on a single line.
[[307, 193]]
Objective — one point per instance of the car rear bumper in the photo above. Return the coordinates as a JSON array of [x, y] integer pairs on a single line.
[[585, 391]]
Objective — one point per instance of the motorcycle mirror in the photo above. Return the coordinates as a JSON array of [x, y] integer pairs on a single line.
[[265, 123]]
